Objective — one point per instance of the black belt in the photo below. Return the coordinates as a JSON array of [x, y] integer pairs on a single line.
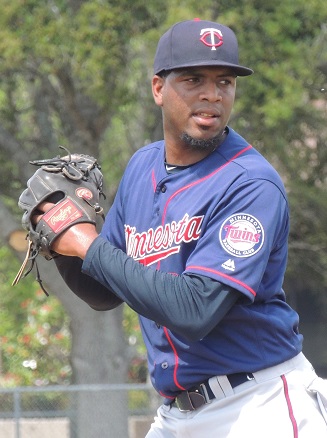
[[202, 394]]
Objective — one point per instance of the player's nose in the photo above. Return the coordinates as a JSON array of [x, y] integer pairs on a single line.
[[211, 92]]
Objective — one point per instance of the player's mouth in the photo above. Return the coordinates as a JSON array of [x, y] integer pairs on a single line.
[[205, 118]]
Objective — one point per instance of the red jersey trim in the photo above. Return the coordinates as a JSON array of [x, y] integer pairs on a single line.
[[290, 408], [176, 359], [154, 182], [221, 274], [166, 396]]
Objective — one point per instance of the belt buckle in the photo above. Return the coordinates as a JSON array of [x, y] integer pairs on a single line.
[[188, 401], [181, 405]]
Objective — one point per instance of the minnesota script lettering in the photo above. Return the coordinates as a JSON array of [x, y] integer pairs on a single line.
[[162, 241]]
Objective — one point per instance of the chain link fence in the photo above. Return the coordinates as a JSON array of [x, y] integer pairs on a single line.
[[78, 411]]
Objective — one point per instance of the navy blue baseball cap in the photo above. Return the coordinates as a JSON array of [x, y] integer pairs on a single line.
[[194, 43]]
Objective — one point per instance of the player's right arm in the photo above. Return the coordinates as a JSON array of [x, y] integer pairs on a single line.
[[191, 305], [188, 304]]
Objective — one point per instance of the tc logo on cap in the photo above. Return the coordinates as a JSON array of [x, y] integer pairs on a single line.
[[211, 37]]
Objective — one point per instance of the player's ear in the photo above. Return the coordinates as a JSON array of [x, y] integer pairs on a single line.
[[157, 85]]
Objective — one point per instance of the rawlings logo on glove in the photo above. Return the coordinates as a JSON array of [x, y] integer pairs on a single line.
[[74, 184]]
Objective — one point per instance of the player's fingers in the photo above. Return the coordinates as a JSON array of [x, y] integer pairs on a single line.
[[41, 209], [36, 218], [45, 206]]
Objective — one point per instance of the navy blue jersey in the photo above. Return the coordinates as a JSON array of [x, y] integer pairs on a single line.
[[227, 218]]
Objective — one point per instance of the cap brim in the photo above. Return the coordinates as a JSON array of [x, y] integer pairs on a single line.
[[238, 69]]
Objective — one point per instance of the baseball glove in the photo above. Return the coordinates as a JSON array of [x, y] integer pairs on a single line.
[[74, 184]]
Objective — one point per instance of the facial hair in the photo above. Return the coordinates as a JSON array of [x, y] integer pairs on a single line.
[[202, 145]]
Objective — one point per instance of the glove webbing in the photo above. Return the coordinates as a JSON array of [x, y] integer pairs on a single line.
[[68, 167]]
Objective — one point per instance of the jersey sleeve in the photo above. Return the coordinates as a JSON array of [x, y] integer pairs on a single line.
[[244, 242]]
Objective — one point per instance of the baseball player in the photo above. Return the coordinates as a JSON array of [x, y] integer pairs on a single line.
[[196, 243]]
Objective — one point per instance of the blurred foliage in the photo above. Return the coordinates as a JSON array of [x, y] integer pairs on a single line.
[[138, 365], [34, 332]]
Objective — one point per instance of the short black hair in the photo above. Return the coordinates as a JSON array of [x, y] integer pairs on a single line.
[[164, 73]]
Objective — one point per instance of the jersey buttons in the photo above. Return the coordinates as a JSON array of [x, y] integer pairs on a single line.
[[164, 365], [163, 189]]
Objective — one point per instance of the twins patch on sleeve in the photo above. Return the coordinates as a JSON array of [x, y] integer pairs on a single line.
[[241, 235]]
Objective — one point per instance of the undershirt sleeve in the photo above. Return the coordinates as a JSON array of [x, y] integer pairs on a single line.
[[85, 287], [191, 305]]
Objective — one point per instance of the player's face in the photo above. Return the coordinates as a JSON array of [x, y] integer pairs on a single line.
[[196, 103]]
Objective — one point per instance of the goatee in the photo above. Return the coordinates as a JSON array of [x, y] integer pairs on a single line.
[[201, 144]]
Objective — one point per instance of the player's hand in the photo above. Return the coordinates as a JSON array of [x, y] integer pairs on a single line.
[[75, 241]]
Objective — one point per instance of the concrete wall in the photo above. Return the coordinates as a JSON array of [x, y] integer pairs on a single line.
[[35, 428], [138, 426]]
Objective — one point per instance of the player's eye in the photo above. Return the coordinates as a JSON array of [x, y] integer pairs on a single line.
[[192, 79], [225, 81]]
